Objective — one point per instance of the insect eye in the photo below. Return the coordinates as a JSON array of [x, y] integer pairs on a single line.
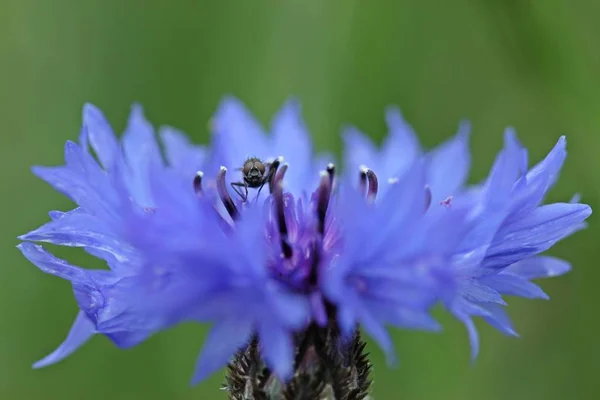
[[247, 168], [261, 167]]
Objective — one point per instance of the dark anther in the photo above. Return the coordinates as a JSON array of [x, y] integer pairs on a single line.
[[280, 211], [362, 184], [331, 171], [368, 183], [198, 182], [273, 171], [427, 197], [373, 185], [224, 195], [324, 193]]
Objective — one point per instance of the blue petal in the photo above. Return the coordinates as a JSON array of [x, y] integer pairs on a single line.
[[292, 141], [473, 335], [277, 349], [224, 340], [512, 285], [81, 331], [142, 151], [54, 266], [404, 317], [448, 165], [377, 331], [531, 190], [534, 233], [79, 229], [549, 168], [358, 150], [539, 267], [82, 180], [100, 135], [398, 152], [126, 340], [463, 311], [475, 291], [499, 319], [118, 307], [400, 148], [513, 146], [180, 153], [237, 135]]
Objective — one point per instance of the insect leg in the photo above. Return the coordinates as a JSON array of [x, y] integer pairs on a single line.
[[236, 187]]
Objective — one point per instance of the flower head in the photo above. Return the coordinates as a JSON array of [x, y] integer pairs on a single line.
[[288, 260]]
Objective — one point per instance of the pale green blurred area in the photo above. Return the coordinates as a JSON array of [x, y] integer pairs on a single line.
[[530, 64]]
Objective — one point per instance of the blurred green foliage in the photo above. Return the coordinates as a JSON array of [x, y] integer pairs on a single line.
[[532, 64]]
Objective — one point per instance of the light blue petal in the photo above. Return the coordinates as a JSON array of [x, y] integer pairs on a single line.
[[180, 153], [237, 135], [142, 151], [513, 146], [277, 349], [358, 150], [377, 331], [225, 338], [534, 233], [499, 319], [449, 164], [475, 291], [77, 229], [100, 135], [54, 266], [473, 335], [400, 148], [402, 317], [512, 285], [549, 168], [292, 140], [81, 331], [539, 267]]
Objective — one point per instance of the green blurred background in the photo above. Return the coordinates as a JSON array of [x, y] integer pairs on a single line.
[[530, 64]]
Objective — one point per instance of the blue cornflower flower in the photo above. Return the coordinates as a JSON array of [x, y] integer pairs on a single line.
[[294, 272], [509, 229]]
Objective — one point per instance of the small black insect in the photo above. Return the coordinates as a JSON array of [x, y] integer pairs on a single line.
[[256, 174]]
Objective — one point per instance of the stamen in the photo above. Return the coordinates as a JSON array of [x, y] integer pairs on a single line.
[[198, 183], [373, 185], [224, 194], [324, 193], [280, 212], [331, 171], [273, 171], [362, 184], [427, 197]]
